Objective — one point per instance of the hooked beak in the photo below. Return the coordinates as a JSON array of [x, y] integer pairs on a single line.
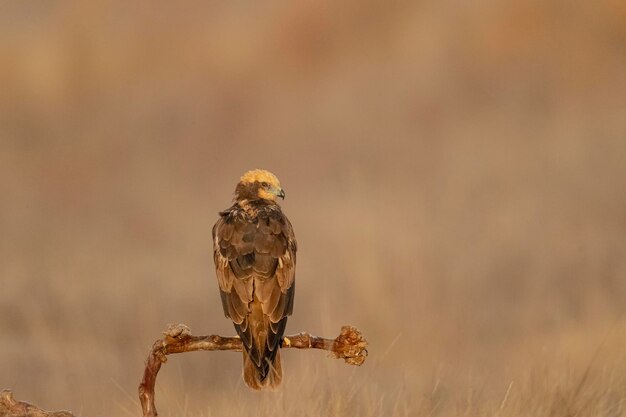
[[281, 194]]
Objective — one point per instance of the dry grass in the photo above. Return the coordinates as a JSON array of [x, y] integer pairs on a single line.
[[454, 172]]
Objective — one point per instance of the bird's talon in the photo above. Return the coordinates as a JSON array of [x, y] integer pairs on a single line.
[[286, 341]]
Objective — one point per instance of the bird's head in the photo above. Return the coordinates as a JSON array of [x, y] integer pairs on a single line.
[[258, 184]]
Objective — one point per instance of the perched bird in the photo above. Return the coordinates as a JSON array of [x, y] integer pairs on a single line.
[[254, 250]]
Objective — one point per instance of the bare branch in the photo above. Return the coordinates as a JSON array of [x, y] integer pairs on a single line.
[[349, 346], [9, 407]]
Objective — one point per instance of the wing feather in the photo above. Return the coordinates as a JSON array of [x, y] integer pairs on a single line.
[[244, 288], [273, 297]]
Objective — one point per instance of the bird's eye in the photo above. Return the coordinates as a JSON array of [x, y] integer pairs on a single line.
[[264, 184]]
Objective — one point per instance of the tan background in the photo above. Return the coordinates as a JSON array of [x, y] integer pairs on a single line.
[[455, 174]]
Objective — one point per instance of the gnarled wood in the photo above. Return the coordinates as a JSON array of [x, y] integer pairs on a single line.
[[9, 407], [349, 346]]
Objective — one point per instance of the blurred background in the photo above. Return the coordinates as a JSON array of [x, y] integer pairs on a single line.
[[455, 173]]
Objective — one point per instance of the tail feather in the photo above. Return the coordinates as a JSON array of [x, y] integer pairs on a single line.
[[259, 377]]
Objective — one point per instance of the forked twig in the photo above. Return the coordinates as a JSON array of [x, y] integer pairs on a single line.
[[349, 346]]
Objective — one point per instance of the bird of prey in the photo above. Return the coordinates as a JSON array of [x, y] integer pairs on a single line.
[[254, 249]]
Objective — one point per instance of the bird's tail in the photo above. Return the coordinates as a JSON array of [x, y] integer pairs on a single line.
[[259, 377]]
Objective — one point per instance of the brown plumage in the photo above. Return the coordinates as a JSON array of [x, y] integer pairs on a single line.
[[255, 259]]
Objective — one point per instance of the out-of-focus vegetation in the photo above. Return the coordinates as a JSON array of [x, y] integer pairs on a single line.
[[454, 172]]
